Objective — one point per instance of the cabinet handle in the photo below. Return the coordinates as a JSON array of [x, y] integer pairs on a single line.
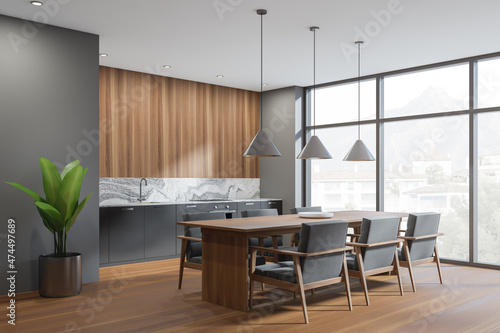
[[271, 203], [160, 207], [127, 208], [191, 206], [250, 203]]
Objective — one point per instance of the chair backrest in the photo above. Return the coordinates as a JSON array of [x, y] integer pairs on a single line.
[[318, 236], [194, 248], [421, 224], [259, 212], [374, 230], [268, 242], [297, 210]]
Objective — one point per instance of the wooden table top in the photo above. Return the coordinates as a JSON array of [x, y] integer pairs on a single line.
[[268, 223]]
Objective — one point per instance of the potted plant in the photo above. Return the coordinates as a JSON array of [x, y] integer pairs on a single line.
[[60, 273]]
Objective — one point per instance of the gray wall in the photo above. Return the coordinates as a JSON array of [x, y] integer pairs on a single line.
[[49, 97], [280, 177]]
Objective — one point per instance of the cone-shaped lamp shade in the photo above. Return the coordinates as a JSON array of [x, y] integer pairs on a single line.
[[314, 149], [359, 152], [262, 145]]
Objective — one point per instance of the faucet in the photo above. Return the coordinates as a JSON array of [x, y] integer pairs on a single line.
[[141, 199]]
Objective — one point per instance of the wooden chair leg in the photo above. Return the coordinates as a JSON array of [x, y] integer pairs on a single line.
[[262, 285], [250, 302], [410, 268], [275, 246], [312, 291], [300, 282], [345, 273], [438, 264], [182, 259], [363, 277], [398, 272]]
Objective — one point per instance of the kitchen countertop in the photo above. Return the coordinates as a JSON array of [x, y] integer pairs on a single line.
[[149, 203]]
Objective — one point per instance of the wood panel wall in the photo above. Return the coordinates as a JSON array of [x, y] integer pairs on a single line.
[[155, 126]]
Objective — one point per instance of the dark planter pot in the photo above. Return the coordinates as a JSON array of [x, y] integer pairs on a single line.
[[60, 276]]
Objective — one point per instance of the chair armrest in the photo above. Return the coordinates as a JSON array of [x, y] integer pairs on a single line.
[[353, 235], [299, 254], [189, 238], [421, 237], [374, 244]]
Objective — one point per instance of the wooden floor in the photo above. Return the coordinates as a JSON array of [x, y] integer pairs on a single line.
[[144, 298]]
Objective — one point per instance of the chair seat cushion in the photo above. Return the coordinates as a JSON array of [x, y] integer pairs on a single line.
[[352, 262], [283, 271], [195, 260]]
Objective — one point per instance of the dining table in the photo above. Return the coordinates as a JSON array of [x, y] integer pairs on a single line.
[[225, 273]]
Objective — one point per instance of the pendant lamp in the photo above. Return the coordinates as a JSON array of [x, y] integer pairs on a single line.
[[261, 145], [314, 149], [359, 151]]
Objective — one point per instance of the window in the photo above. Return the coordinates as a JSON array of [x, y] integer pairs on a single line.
[[346, 180], [428, 131], [488, 82], [426, 168], [429, 91], [489, 188], [339, 104]]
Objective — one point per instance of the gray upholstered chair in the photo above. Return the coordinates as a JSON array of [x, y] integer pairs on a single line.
[[376, 251], [191, 243], [420, 245], [275, 241], [319, 261], [294, 241]]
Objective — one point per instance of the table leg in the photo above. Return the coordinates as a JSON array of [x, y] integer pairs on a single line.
[[225, 269]]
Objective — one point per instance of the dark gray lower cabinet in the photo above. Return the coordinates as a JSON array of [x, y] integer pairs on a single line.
[[103, 235], [126, 233], [160, 236]]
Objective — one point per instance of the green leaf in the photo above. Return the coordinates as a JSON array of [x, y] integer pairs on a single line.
[[33, 194], [72, 220], [51, 180], [69, 192], [85, 171], [52, 215], [68, 167], [45, 222]]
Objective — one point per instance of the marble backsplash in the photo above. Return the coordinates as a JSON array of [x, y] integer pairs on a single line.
[[124, 190]]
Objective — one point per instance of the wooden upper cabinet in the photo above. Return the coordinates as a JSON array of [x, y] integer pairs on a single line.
[[155, 126]]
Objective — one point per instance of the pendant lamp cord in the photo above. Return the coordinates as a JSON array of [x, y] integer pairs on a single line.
[[359, 90], [314, 81], [261, 66]]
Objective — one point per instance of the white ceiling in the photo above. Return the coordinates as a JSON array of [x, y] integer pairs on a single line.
[[200, 42]]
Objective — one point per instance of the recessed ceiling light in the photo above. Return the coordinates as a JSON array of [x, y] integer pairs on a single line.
[[37, 3], [103, 54], [167, 66], [220, 76], [264, 84]]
